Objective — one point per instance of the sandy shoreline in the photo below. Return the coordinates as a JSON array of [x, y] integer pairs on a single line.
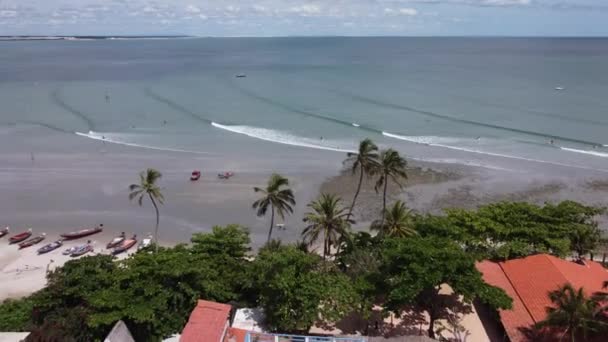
[[74, 182]]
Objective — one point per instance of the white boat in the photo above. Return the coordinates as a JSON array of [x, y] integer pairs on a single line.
[[145, 243], [559, 88]]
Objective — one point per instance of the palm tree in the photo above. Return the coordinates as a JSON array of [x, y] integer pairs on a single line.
[[147, 186], [572, 311], [391, 167], [327, 218], [276, 197], [365, 161], [398, 222]]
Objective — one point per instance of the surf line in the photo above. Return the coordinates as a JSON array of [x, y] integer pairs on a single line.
[[95, 136], [399, 137]]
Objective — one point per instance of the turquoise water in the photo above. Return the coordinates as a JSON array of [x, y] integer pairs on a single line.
[[482, 101]]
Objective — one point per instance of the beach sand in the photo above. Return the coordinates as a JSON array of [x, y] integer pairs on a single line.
[[74, 182]]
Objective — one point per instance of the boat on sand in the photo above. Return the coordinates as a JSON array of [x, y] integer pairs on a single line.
[[50, 247], [32, 241], [20, 237], [116, 241], [125, 245], [4, 231], [80, 250], [196, 174], [82, 233], [145, 243]]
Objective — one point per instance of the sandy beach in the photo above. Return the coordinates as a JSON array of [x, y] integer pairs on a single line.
[[74, 182]]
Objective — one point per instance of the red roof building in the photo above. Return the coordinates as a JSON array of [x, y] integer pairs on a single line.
[[209, 322], [529, 280]]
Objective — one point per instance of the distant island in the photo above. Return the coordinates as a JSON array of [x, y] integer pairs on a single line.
[[12, 38]]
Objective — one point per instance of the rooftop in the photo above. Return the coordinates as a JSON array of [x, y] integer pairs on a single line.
[[529, 280], [208, 322]]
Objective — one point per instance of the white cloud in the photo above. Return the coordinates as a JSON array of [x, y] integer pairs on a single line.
[[401, 11], [202, 16], [8, 14], [193, 9], [305, 10]]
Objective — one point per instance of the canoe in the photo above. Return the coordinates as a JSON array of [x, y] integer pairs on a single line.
[[80, 250], [50, 247], [4, 231], [82, 233], [20, 237], [69, 250], [31, 241], [125, 245], [116, 241]]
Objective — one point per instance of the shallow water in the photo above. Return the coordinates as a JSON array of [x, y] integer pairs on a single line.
[[477, 101]]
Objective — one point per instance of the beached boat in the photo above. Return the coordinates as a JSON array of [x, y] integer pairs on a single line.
[[196, 174], [145, 243], [32, 241], [50, 247], [240, 76], [116, 241], [82, 233], [80, 250], [4, 231], [20, 237], [125, 245], [69, 250], [225, 175]]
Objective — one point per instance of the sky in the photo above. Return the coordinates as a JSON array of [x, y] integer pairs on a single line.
[[306, 17]]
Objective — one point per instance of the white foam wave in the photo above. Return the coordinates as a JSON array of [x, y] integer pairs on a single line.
[[355, 124], [278, 137], [108, 137], [464, 149], [593, 153]]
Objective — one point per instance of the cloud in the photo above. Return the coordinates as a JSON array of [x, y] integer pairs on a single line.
[[193, 9], [305, 10], [401, 11]]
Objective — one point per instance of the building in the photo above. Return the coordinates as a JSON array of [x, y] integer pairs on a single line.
[[209, 321], [529, 280]]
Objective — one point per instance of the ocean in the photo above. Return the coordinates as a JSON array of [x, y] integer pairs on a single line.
[[498, 103]]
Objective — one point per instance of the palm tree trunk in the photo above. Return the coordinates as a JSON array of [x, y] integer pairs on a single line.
[[384, 199], [271, 223], [157, 219], [350, 211]]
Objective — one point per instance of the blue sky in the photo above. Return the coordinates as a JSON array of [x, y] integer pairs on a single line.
[[306, 17]]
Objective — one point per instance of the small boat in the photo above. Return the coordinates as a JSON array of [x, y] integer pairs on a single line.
[[50, 247], [559, 88], [4, 231], [82, 233], [196, 174], [69, 250], [116, 241], [240, 76], [20, 237], [225, 175], [80, 250], [145, 243], [32, 241], [125, 245]]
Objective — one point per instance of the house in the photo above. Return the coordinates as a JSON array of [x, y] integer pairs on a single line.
[[529, 280], [209, 321]]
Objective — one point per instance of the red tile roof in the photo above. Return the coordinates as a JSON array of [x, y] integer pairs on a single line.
[[529, 280], [235, 335], [208, 322]]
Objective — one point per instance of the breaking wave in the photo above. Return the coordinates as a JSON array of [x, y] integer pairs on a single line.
[[110, 138]]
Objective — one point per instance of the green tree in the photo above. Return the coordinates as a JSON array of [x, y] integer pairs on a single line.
[[277, 196], [232, 240], [296, 290], [327, 218], [398, 221], [573, 312], [414, 269], [147, 187], [365, 161], [391, 167], [16, 314]]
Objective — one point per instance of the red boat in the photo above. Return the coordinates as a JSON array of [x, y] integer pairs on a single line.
[[20, 237], [31, 241], [125, 245], [4, 231], [196, 174], [82, 233]]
